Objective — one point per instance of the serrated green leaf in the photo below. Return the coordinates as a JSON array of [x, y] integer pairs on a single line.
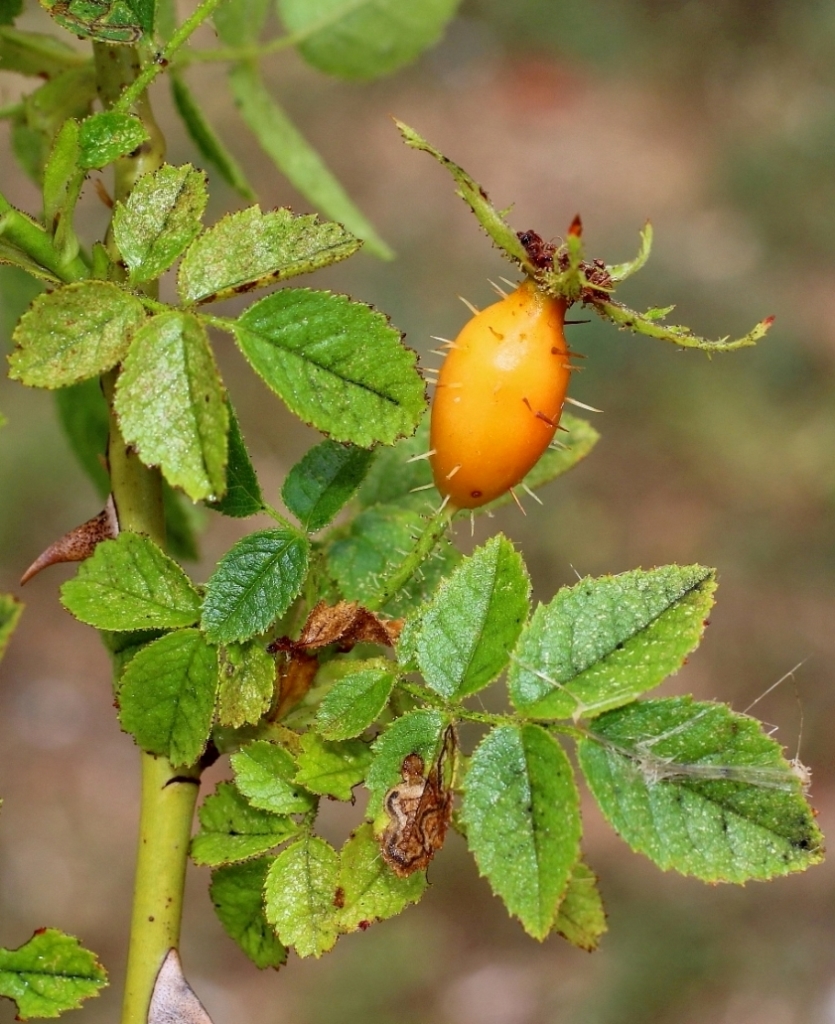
[[159, 220], [123, 648], [242, 497], [11, 256], [211, 147], [76, 332], [130, 583], [579, 437], [522, 816], [105, 137], [297, 160], [250, 249], [417, 732], [109, 21], [82, 410], [62, 180], [171, 404], [471, 624], [10, 611], [365, 40], [581, 918], [316, 488], [356, 700], [602, 642], [35, 53], [700, 790], [237, 893], [254, 583], [337, 364], [398, 476], [369, 890], [231, 829], [299, 896], [247, 683], [49, 974], [332, 769], [264, 773], [366, 550], [167, 696]]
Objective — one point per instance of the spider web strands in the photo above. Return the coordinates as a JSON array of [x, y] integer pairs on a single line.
[[656, 769], [581, 709]]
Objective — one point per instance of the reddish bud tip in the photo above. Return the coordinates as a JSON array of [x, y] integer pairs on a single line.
[[576, 228]]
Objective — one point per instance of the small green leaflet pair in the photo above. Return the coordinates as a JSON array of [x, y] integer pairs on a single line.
[[51, 973], [336, 363]]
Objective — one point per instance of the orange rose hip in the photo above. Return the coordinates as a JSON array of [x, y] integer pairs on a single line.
[[499, 397]]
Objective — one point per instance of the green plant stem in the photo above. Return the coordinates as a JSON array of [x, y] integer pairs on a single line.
[[28, 236], [426, 543], [168, 800], [168, 796], [142, 80]]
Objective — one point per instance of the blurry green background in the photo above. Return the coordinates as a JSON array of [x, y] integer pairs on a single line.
[[717, 121]]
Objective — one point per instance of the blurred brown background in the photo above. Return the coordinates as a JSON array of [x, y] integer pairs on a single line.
[[717, 121]]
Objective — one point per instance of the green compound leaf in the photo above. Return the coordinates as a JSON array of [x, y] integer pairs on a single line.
[[172, 405], [337, 364], [471, 624], [578, 438], [399, 477], [105, 137], [362, 554], [264, 773], [34, 53], [237, 893], [202, 134], [129, 583], [242, 497], [231, 829], [159, 220], [251, 249], [417, 732], [700, 790], [167, 696], [246, 683], [297, 160], [356, 700], [109, 21], [79, 331], [49, 974], [522, 816], [367, 39], [254, 583], [299, 896], [317, 487], [368, 889], [10, 611], [581, 918], [332, 769], [602, 642], [11, 256]]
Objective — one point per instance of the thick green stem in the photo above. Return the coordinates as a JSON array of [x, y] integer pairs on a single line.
[[168, 796], [32, 239], [426, 543]]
